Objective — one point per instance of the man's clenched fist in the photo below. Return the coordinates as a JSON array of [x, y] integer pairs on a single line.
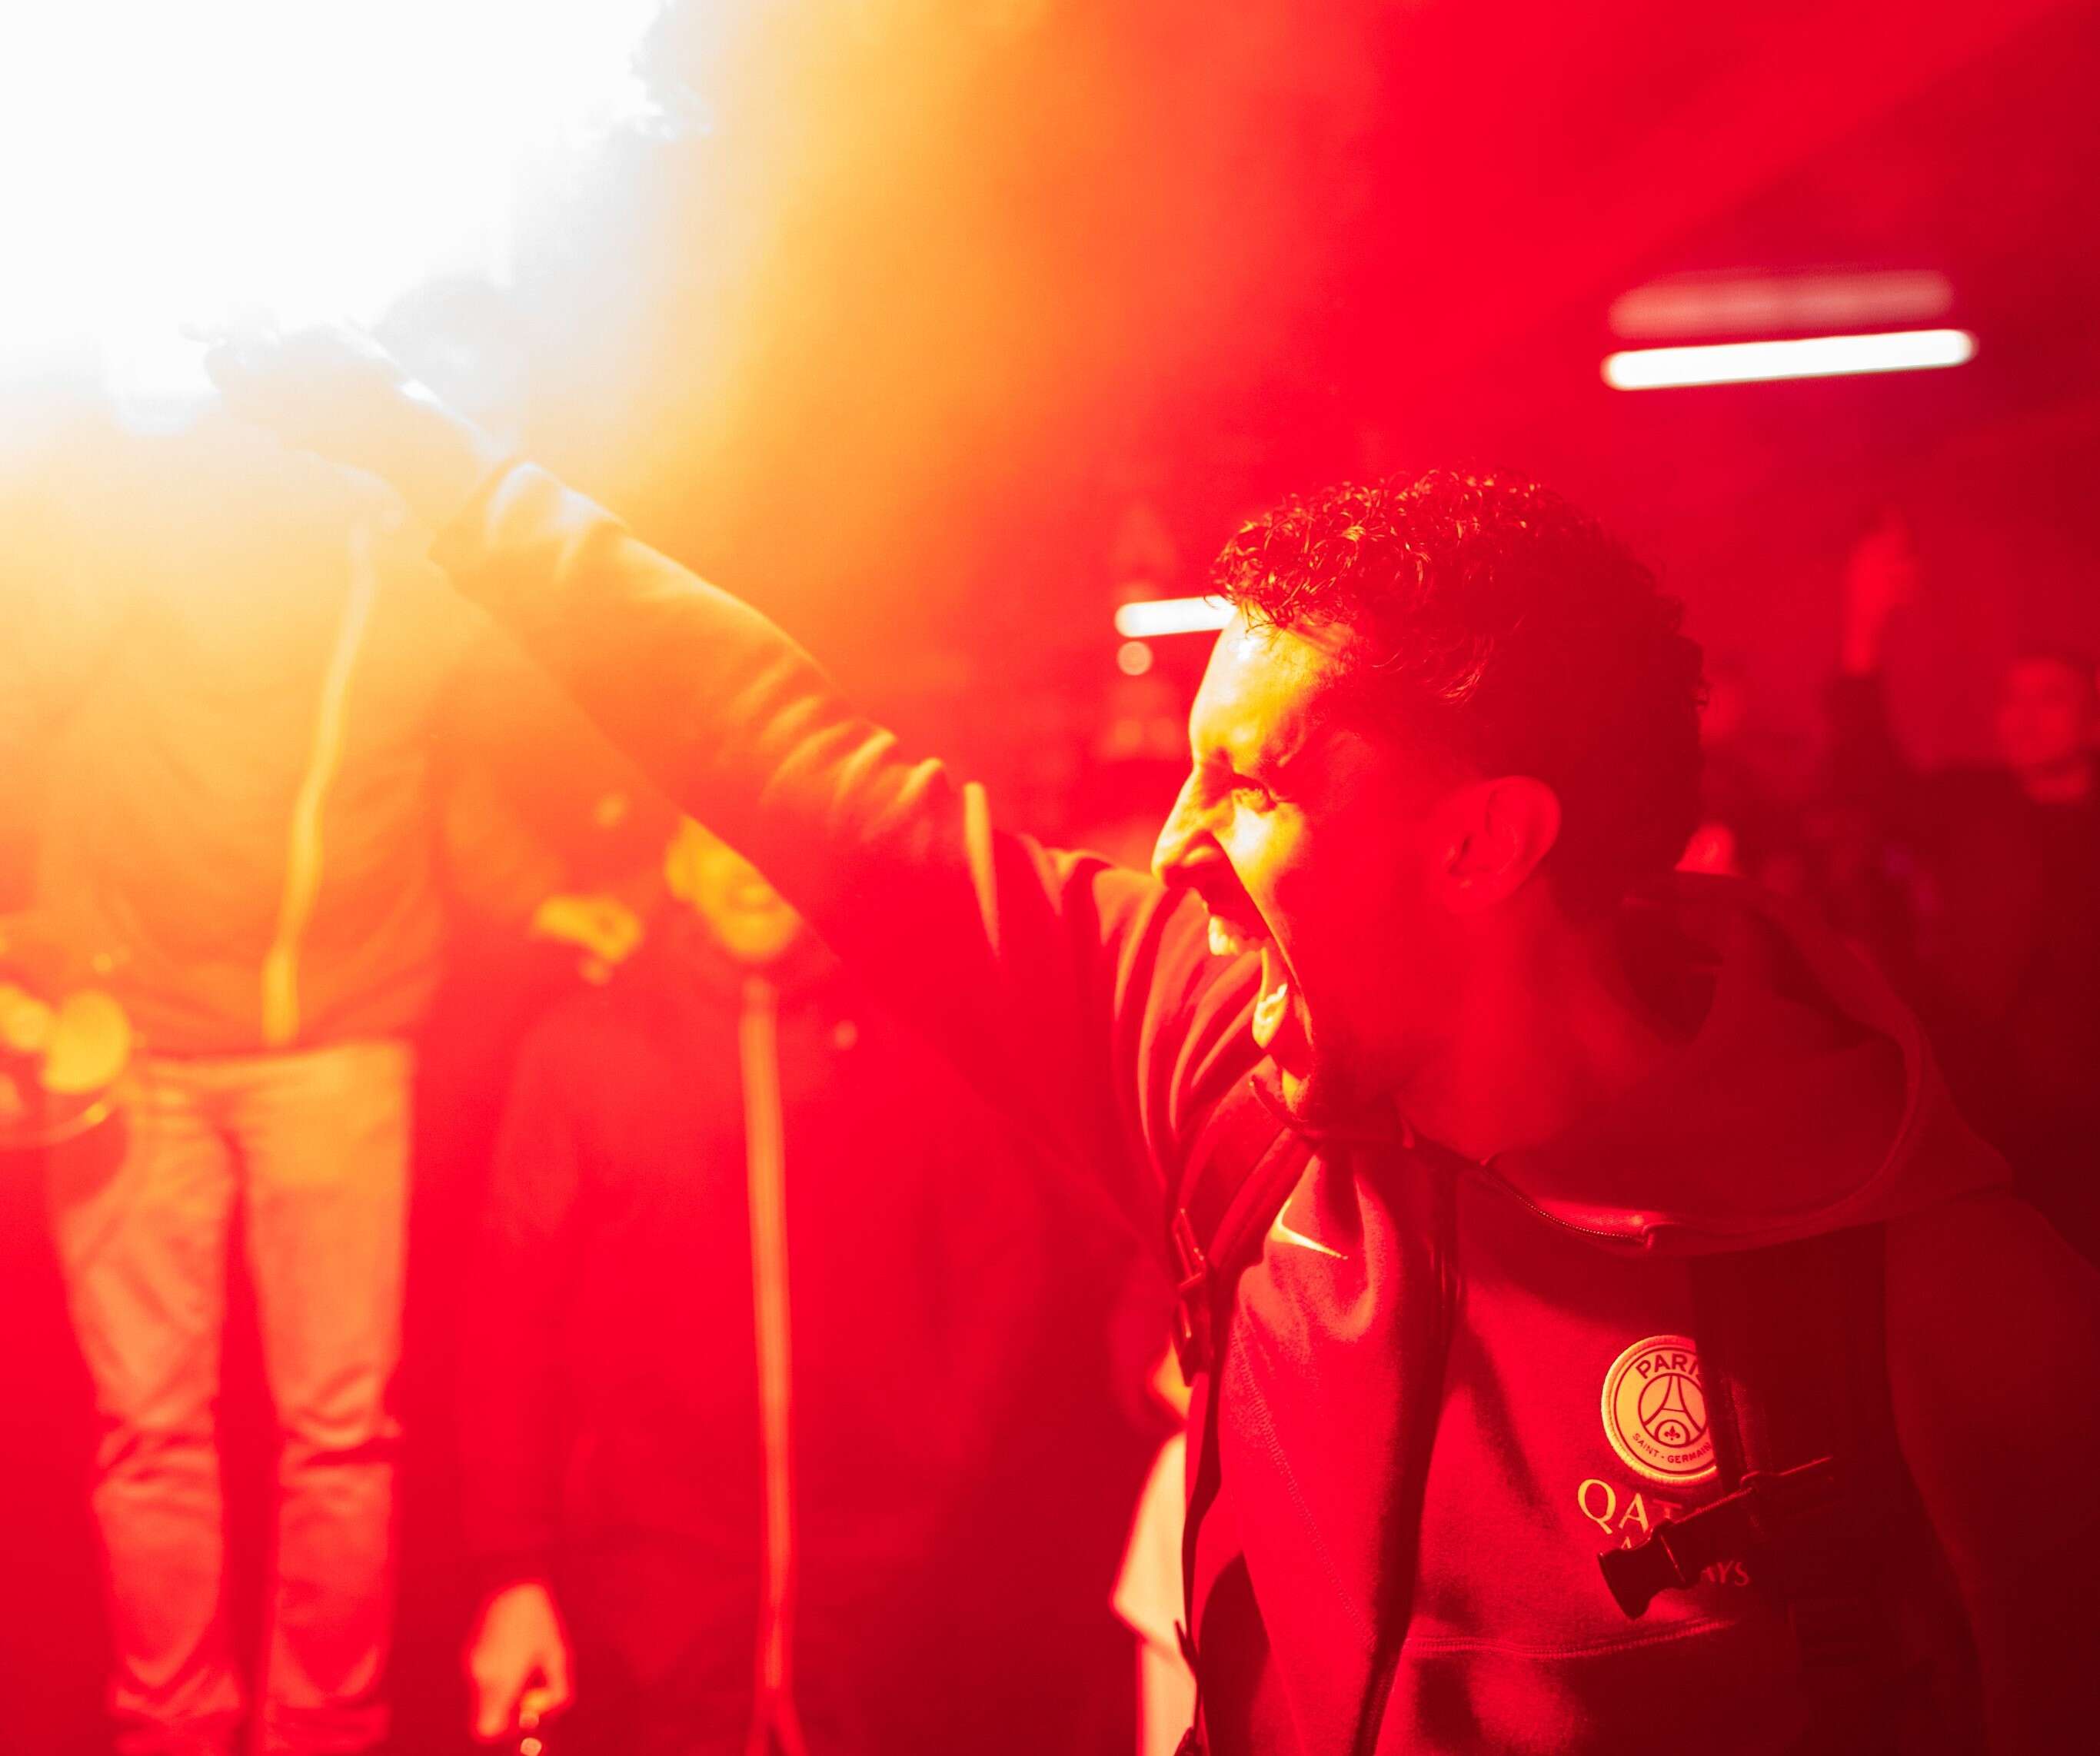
[[333, 390]]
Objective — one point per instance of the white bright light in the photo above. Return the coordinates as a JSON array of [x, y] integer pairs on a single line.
[[172, 163], [1155, 617], [1819, 356]]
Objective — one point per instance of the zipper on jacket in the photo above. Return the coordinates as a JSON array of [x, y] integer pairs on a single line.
[[302, 864], [773, 1720]]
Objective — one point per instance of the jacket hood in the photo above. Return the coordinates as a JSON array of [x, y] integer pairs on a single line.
[[1807, 1100]]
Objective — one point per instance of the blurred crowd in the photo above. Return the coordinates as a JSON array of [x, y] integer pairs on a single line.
[[1972, 886], [492, 1187]]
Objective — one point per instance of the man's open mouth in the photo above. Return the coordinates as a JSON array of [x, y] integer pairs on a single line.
[[1237, 930]]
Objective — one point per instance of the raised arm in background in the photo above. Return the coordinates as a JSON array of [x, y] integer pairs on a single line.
[[1869, 768]]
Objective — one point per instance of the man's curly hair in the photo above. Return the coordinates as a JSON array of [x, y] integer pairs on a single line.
[[1490, 615]]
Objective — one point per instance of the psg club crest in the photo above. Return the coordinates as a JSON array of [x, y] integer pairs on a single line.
[[1655, 1410]]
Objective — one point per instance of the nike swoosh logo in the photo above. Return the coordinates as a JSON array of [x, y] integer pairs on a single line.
[[1284, 1233]]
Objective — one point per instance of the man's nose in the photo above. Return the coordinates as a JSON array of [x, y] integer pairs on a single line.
[[1186, 843]]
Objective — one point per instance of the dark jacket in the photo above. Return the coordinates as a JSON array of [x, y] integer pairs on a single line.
[[961, 1440], [1401, 1559]]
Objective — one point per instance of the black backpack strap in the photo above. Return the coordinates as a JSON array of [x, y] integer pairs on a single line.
[[1794, 1362], [1240, 1172]]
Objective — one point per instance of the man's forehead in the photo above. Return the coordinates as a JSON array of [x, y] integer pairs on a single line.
[[1264, 684]]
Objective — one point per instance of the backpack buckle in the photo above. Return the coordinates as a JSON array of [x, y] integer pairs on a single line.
[[1639, 1575], [1192, 1300]]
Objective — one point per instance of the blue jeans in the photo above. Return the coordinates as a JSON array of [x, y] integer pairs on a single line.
[[310, 1148]]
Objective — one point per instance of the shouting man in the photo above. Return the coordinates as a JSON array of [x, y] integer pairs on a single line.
[[1531, 1202]]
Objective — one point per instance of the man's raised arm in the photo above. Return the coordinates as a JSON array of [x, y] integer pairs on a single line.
[[1077, 995]]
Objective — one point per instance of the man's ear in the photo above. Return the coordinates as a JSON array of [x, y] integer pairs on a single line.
[[1501, 829]]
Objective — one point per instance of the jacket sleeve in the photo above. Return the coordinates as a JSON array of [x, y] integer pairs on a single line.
[[1076, 995], [511, 1399], [1994, 1364]]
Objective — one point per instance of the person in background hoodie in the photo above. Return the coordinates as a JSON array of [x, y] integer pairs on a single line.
[[761, 1304], [222, 703]]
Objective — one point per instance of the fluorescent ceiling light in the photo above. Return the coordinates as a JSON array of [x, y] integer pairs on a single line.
[[1708, 307], [1171, 615], [1818, 356]]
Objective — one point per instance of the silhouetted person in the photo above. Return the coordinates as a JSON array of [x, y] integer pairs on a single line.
[[2007, 896], [227, 665], [763, 1303]]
